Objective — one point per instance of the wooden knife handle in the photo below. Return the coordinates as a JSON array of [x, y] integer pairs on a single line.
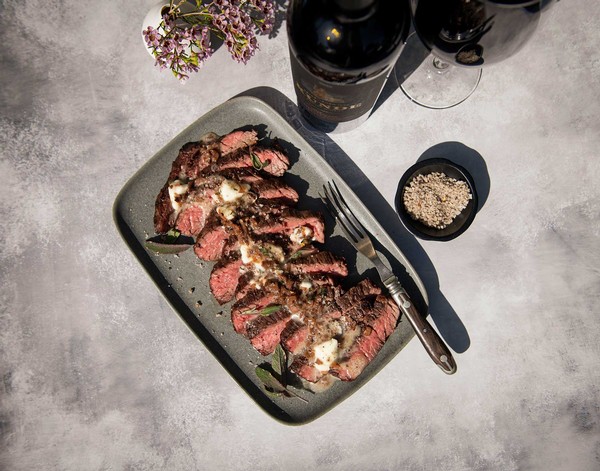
[[435, 346]]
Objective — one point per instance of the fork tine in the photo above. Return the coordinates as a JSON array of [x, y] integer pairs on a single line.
[[341, 203], [339, 216]]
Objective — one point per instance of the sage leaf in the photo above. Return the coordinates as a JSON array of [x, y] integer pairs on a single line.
[[270, 310], [256, 162], [300, 253], [269, 380], [169, 243], [274, 394], [279, 362], [161, 247], [249, 312], [172, 236]]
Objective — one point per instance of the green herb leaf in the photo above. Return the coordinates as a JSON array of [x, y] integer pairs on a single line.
[[300, 253], [256, 162], [274, 394], [270, 310], [279, 362], [263, 250], [269, 380], [249, 312], [163, 248], [168, 243], [172, 236]]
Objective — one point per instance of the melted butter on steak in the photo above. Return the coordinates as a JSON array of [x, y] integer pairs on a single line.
[[178, 191]]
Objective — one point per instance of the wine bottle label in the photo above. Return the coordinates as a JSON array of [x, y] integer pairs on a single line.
[[331, 101]]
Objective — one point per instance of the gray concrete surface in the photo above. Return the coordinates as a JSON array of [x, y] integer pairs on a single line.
[[98, 373]]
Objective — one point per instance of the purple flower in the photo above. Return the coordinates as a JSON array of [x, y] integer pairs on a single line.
[[182, 43], [152, 37]]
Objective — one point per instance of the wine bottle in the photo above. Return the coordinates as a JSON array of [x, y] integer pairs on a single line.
[[341, 53]]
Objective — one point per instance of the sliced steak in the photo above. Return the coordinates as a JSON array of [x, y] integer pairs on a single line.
[[265, 331], [292, 219], [275, 162], [354, 295], [275, 189], [212, 240], [249, 307], [191, 220], [295, 337], [224, 278], [377, 325], [193, 158], [244, 175], [237, 140], [197, 205], [321, 262], [272, 162], [303, 368]]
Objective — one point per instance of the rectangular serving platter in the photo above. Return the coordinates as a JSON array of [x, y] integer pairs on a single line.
[[183, 279]]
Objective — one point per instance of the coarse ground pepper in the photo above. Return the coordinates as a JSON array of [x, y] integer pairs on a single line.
[[435, 199]]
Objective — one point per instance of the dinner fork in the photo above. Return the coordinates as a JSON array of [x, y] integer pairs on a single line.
[[357, 235]]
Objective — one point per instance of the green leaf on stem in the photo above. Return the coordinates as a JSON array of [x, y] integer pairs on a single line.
[[269, 380], [270, 310], [256, 162], [301, 253], [168, 243], [279, 362]]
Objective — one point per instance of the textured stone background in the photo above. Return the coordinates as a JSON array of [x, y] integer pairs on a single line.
[[98, 373]]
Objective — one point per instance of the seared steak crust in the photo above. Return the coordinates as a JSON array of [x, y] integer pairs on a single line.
[[264, 332], [376, 326], [163, 211], [320, 262]]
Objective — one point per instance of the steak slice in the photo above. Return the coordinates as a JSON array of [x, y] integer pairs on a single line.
[[376, 326], [353, 297], [237, 140], [192, 159], [265, 331], [244, 175], [249, 307], [295, 337], [191, 220], [275, 189], [289, 220], [212, 240], [194, 205], [273, 162], [320, 262], [224, 278], [303, 368]]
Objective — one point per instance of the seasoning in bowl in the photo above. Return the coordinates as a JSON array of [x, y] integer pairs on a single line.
[[435, 199]]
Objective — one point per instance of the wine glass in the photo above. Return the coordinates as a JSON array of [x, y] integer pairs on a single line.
[[463, 36]]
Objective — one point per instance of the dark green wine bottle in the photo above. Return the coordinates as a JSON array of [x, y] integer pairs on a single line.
[[341, 53]]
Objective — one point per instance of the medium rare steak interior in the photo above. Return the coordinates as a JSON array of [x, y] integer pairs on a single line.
[[227, 193]]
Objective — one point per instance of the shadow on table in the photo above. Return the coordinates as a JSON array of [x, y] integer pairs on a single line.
[[411, 57], [468, 158], [445, 318]]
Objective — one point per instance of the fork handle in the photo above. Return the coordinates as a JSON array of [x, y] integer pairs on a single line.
[[435, 346]]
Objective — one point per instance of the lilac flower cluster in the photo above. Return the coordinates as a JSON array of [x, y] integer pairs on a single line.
[[182, 41]]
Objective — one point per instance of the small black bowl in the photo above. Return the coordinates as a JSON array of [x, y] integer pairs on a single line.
[[460, 223]]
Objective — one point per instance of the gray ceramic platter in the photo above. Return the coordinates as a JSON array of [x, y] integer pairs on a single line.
[[183, 279]]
